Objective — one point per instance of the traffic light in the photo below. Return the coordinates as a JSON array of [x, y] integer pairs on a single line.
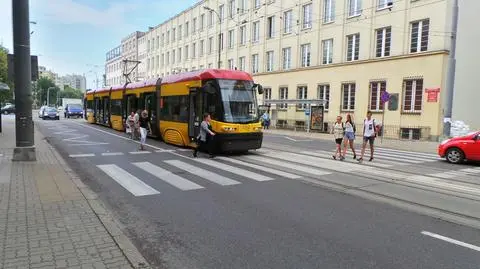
[[393, 102]]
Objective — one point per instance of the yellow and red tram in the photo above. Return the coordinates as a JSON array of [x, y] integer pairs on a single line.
[[176, 103]]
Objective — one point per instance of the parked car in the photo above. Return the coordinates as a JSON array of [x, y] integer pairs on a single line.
[[459, 149], [50, 113], [8, 109], [73, 110], [40, 112]]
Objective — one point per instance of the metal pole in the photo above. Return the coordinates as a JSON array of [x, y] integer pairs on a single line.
[[383, 122], [451, 73], [48, 96], [25, 150], [219, 46]]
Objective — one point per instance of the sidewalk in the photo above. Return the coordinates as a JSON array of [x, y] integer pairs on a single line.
[[407, 145], [50, 219]]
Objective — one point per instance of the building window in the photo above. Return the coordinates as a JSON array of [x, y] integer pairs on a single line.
[[283, 94], [413, 95], [231, 64], [202, 22], [202, 48], [267, 95], [377, 88], [354, 8], [163, 39], [328, 11], [221, 12], [179, 32], [348, 97], [231, 39], [210, 45], [258, 3], [271, 27], [384, 38], [327, 50], [305, 55], [255, 63], [180, 55], [324, 94], [287, 58], [241, 62], [287, 22], [231, 8], [256, 32], [419, 38], [269, 61], [194, 25], [243, 6], [301, 94], [168, 37], [163, 59], [221, 42], [194, 50], [307, 16], [168, 58], [157, 42], [210, 18], [186, 28], [157, 61], [174, 33], [353, 47], [243, 35], [384, 3], [186, 52], [173, 56]]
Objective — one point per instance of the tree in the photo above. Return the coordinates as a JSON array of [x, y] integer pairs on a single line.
[[69, 92], [43, 84], [5, 96]]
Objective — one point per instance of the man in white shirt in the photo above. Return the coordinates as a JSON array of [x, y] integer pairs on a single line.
[[369, 133]]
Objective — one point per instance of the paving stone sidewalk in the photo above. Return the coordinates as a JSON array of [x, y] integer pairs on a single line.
[[49, 219]]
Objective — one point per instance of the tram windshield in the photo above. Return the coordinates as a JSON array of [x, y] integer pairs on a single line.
[[239, 101]]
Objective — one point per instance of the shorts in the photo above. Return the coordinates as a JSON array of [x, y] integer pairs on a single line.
[[369, 139], [339, 141], [350, 136]]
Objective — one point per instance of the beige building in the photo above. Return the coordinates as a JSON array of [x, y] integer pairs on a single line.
[[346, 52]]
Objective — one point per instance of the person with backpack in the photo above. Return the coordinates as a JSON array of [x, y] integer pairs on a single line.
[[370, 130], [350, 131], [338, 131]]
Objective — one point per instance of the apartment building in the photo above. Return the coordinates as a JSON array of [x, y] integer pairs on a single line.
[[113, 66]]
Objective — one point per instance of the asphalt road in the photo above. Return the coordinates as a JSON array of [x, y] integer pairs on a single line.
[[286, 206]]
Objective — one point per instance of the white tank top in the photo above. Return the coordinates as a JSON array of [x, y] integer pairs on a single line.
[[369, 128]]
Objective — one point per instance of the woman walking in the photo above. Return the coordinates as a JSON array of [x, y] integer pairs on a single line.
[[349, 136], [144, 123], [338, 134], [205, 137]]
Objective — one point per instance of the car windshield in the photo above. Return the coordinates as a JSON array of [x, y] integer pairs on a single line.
[[239, 101], [75, 106], [51, 109]]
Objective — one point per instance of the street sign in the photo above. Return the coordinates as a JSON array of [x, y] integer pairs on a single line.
[[385, 97], [307, 111]]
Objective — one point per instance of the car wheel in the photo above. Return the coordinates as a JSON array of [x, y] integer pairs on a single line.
[[455, 155], [57, 118], [43, 118]]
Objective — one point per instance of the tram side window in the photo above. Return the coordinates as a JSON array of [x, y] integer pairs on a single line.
[[174, 108], [90, 104], [116, 107]]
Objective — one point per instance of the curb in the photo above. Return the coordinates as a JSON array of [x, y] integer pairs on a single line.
[[112, 226]]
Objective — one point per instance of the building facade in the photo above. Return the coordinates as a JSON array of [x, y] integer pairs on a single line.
[[345, 52], [74, 81], [113, 66]]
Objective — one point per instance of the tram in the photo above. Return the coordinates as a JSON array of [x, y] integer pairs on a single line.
[[176, 103]]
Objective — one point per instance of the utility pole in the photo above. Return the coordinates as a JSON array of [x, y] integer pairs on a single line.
[[452, 62], [25, 144]]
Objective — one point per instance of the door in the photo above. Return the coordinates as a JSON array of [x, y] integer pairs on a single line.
[[476, 148], [150, 104], [106, 110], [97, 112], [195, 112]]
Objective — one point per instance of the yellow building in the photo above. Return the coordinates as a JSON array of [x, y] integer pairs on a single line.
[[346, 52]]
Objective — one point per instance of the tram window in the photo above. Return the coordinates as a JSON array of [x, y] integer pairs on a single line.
[[116, 107], [214, 106], [175, 108], [90, 104]]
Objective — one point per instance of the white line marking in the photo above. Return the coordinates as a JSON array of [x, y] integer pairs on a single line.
[[82, 155], [471, 170], [165, 150], [406, 152], [450, 240], [443, 184], [140, 152], [88, 144], [216, 178], [75, 138], [297, 140], [301, 168], [127, 180], [234, 170], [169, 177], [261, 168], [65, 132], [184, 150], [328, 155], [112, 153]]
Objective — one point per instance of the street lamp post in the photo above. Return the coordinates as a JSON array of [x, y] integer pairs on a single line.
[[48, 95], [219, 34]]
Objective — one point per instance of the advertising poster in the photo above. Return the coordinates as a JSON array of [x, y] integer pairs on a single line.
[[316, 119]]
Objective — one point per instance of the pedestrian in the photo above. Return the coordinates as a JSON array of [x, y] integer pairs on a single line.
[[338, 134], [370, 130], [130, 125], [205, 138], [349, 136], [144, 123], [136, 128], [266, 120]]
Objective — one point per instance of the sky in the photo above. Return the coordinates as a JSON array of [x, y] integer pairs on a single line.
[[73, 36]]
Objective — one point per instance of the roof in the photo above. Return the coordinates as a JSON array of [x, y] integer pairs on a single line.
[[141, 84], [207, 74]]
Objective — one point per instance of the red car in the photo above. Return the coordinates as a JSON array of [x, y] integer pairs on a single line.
[[459, 149]]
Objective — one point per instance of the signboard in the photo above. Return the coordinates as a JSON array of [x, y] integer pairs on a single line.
[[307, 112], [432, 94], [393, 102], [316, 119], [11, 67], [385, 97]]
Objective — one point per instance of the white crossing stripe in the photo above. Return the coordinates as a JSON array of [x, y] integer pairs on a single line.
[[82, 155], [443, 184], [234, 170], [112, 153], [165, 150], [261, 168], [471, 170], [325, 154], [300, 168], [453, 241], [210, 176], [140, 152], [169, 177], [127, 180], [431, 155], [403, 156]]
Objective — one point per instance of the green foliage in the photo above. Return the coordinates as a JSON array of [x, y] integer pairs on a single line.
[[5, 96], [43, 84], [69, 92]]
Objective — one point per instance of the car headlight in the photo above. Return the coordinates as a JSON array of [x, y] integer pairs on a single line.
[[445, 142], [57, 113]]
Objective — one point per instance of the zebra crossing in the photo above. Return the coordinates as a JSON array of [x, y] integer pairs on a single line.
[[190, 174]]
